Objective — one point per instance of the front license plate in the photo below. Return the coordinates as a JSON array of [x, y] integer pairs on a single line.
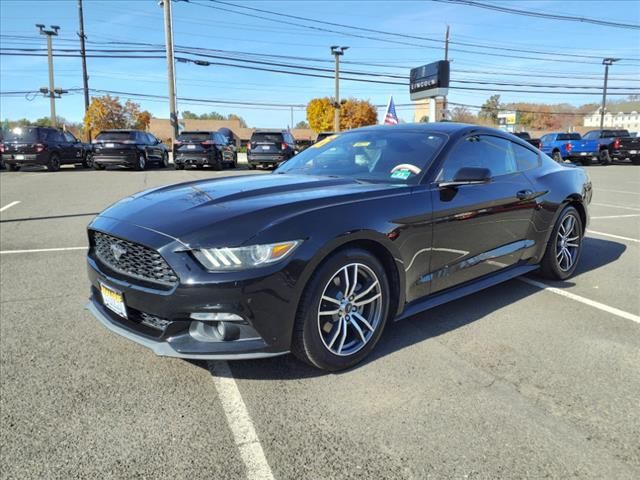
[[19, 157], [113, 300], [109, 145], [191, 147], [633, 152]]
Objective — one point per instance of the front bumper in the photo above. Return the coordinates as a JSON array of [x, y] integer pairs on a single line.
[[265, 298]]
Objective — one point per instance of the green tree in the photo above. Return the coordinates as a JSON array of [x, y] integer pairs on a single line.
[[301, 124], [490, 108], [233, 116]]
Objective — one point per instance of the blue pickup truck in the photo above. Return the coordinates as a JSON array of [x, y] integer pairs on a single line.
[[615, 144], [569, 146]]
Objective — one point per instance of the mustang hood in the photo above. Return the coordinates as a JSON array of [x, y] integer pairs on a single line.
[[234, 209]]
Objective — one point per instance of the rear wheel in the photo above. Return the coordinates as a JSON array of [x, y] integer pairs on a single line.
[[565, 245], [13, 167], [141, 163], [342, 312], [605, 158], [635, 160], [218, 164], [165, 160], [557, 156], [54, 163], [98, 166], [178, 166], [252, 166]]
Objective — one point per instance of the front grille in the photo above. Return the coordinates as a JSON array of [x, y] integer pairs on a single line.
[[134, 260]]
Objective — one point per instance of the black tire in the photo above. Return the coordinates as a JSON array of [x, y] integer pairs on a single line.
[[557, 156], [13, 167], [604, 157], [586, 162], [218, 164], [53, 165], [252, 166], [307, 342], [178, 166], [98, 166], [141, 163], [87, 160], [234, 163], [550, 266], [199, 166], [635, 160], [164, 163]]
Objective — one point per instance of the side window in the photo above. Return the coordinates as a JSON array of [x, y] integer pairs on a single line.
[[544, 139], [525, 158], [219, 139], [56, 136], [144, 138], [69, 138], [480, 151]]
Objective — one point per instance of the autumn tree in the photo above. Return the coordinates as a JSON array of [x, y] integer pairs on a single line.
[[490, 108], [107, 112], [462, 114], [354, 113]]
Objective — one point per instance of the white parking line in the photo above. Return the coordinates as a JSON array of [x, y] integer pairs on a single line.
[[617, 191], [616, 216], [619, 237], [578, 298], [8, 206], [616, 206], [38, 250], [240, 423]]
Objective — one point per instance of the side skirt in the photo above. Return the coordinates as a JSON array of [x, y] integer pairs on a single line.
[[462, 291]]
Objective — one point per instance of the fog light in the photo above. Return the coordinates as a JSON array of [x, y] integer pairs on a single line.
[[216, 317]]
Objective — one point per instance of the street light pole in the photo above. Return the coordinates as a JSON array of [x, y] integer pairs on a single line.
[[337, 52], [168, 34], [83, 54], [53, 31], [606, 62]]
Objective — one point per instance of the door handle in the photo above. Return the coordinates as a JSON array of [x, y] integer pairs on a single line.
[[525, 194]]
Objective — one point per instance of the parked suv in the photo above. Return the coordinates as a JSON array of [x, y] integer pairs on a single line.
[[130, 148], [203, 148], [46, 146], [269, 148]]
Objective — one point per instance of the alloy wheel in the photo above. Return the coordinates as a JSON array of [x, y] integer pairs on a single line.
[[350, 309], [567, 243]]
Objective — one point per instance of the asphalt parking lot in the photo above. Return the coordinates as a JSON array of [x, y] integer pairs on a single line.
[[526, 379]]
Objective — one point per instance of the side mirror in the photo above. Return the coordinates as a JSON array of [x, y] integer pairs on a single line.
[[469, 176]]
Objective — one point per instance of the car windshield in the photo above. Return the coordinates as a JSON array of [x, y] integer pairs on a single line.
[[266, 138], [389, 156], [115, 136], [194, 137], [23, 134], [569, 136]]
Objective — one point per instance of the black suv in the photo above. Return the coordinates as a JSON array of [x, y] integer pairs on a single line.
[[130, 148], [203, 148], [45, 146], [270, 148]]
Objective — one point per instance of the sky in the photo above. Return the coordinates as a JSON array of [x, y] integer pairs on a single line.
[[203, 24]]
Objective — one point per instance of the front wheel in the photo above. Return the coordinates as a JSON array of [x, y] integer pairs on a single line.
[[565, 245], [342, 312], [87, 160]]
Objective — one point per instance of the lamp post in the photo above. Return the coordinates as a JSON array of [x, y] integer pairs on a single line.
[[337, 52], [606, 62], [53, 31]]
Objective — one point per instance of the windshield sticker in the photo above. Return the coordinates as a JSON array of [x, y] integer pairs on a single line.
[[323, 142], [407, 166], [362, 144], [402, 174]]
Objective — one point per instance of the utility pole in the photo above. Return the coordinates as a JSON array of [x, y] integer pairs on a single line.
[[53, 31], [606, 62], [292, 117], [83, 53], [337, 52], [446, 58], [168, 35]]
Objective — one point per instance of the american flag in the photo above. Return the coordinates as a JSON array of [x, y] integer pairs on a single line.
[[391, 118]]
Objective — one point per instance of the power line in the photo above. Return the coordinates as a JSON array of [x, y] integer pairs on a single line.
[[551, 16]]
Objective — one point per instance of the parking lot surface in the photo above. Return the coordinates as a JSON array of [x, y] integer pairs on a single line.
[[526, 379]]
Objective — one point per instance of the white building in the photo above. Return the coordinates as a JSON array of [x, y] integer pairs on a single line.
[[629, 120]]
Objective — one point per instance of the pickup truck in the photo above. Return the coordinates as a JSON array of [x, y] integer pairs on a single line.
[[615, 145], [569, 146], [527, 138]]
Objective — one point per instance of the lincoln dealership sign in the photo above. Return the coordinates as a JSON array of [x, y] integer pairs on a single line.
[[429, 81]]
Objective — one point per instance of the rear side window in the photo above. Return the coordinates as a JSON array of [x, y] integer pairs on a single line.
[[265, 137], [569, 136], [116, 136], [23, 134], [194, 136], [525, 158]]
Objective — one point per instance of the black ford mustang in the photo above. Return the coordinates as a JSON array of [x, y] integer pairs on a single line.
[[373, 225]]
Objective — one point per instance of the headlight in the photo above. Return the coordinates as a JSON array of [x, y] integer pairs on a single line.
[[242, 258]]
